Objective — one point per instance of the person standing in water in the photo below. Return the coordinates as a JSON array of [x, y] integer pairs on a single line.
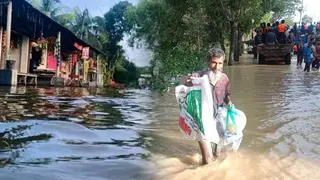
[[307, 53], [221, 94], [300, 47]]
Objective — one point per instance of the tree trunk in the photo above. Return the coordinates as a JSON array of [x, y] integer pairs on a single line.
[[233, 26], [240, 47], [223, 47], [236, 46]]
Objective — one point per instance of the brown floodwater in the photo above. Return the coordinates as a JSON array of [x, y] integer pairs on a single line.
[[75, 133]]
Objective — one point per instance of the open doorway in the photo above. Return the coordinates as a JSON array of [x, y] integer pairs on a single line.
[[35, 57]]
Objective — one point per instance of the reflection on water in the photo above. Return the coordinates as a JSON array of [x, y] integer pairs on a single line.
[[75, 133], [52, 128]]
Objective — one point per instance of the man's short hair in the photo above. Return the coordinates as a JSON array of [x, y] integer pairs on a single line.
[[215, 52]]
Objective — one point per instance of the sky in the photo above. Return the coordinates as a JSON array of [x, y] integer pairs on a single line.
[[312, 9], [96, 7]]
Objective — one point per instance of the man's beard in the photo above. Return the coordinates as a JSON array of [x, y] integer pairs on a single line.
[[214, 76]]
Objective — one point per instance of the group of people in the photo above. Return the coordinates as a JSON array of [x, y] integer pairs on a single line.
[[307, 45], [278, 33], [305, 39], [275, 34]]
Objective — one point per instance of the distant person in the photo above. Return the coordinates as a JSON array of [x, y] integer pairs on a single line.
[[250, 48], [300, 47], [268, 28], [295, 27], [258, 39], [271, 38], [257, 42], [264, 33], [298, 31], [310, 28], [316, 63], [291, 37], [282, 28], [311, 38], [274, 28], [318, 27], [305, 29], [307, 53], [302, 29]]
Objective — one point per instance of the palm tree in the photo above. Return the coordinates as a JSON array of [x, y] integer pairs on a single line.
[[80, 22], [66, 16], [54, 10], [49, 7], [98, 31], [90, 29]]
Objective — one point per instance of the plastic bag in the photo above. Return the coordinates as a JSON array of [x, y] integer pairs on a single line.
[[235, 118], [196, 120]]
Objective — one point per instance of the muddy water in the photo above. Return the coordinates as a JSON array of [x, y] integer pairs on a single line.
[[282, 137], [49, 133]]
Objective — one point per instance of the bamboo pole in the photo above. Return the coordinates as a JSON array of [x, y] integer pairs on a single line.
[[8, 30], [1, 60], [58, 58]]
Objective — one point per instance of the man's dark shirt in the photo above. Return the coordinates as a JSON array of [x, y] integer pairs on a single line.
[[271, 38], [258, 40]]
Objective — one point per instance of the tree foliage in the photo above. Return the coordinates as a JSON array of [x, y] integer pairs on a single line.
[[307, 19], [180, 32], [116, 26], [127, 73], [280, 8]]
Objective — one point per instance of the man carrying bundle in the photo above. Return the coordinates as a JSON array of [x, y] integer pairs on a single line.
[[220, 85]]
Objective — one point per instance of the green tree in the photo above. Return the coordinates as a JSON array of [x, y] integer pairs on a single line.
[[280, 8], [127, 73], [116, 26], [235, 12], [49, 7], [55, 10], [307, 19]]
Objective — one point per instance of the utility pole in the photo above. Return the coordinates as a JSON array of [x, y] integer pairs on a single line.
[[301, 9]]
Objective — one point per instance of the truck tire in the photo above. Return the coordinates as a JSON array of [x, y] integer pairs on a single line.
[[261, 59], [287, 59]]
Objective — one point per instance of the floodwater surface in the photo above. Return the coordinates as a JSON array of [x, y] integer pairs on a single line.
[[75, 133]]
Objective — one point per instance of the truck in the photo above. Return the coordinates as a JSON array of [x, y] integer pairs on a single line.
[[274, 53]]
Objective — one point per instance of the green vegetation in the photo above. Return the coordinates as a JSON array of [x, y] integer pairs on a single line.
[[177, 32], [307, 19], [180, 32]]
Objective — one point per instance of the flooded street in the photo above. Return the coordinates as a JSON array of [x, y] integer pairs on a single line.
[[64, 133]]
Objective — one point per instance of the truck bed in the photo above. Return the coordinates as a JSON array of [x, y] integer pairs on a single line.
[[275, 53]]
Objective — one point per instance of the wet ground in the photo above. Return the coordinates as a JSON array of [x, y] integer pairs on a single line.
[[74, 133]]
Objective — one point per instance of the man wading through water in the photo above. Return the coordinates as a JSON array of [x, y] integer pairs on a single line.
[[221, 95]]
